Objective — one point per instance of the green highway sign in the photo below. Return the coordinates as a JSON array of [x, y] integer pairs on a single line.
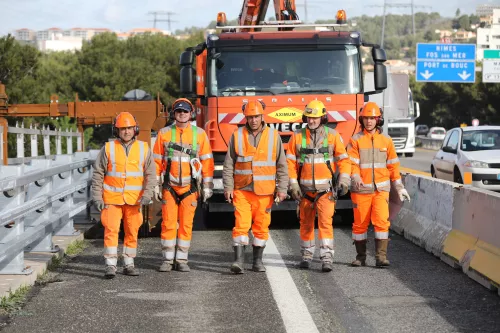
[[491, 54]]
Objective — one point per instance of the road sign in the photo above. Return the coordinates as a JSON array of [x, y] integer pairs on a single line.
[[446, 63], [475, 122], [491, 66], [491, 54]]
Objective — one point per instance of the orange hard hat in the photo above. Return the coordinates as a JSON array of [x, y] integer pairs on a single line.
[[254, 108], [371, 109], [125, 119]]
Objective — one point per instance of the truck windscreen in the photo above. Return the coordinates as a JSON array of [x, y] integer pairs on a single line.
[[284, 71]]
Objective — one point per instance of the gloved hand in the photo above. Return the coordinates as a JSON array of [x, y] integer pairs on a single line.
[[145, 201], [296, 192], [158, 194], [403, 195], [344, 188], [357, 182], [280, 196], [207, 193], [99, 205]]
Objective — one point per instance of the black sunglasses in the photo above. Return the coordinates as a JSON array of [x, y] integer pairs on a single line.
[[182, 111]]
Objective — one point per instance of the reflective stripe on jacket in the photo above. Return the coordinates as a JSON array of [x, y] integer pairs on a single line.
[[256, 164], [315, 175], [124, 178], [180, 169], [374, 160]]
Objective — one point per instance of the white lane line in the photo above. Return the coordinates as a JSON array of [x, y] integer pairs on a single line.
[[294, 312]]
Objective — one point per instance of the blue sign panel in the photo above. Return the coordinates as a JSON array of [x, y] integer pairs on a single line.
[[446, 63]]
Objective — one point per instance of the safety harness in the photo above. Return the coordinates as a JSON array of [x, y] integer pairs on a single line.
[[323, 150], [192, 153]]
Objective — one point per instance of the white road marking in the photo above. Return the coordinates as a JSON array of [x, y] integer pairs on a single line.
[[293, 309]]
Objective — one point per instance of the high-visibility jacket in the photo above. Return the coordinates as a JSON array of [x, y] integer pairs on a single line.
[[124, 178], [256, 164], [374, 160], [310, 152], [181, 145]]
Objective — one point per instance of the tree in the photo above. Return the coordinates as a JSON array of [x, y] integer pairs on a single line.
[[457, 13]]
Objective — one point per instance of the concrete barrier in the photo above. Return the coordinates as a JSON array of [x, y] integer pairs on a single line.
[[460, 225], [428, 143], [427, 219]]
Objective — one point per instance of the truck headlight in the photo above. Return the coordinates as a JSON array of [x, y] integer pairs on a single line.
[[476, 164]]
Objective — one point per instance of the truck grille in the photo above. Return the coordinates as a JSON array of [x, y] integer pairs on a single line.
[[398, 132], [399, 143], [494, 165]]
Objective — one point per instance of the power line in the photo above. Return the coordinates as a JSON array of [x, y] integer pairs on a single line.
[[307, 4], [398, 5], [158, 13]]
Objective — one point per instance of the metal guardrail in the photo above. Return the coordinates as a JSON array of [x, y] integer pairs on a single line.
[[428, 143], [46, 134], [38, 201]]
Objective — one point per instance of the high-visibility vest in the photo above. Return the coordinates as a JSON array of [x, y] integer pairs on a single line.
[[256, 164], [376, 161], [124, 179]]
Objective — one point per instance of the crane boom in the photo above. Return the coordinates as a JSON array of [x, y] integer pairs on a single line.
[[253, 12]]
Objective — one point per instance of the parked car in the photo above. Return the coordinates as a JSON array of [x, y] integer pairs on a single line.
[[421, 129], [471, 150], [437, 133]]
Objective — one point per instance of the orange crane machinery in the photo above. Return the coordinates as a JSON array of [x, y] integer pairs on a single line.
[[284, 63], [149, 114]]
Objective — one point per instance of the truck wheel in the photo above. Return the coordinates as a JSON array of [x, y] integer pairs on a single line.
[[408, 154]]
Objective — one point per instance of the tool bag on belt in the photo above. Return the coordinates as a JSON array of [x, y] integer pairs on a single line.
[[192, 153], [323, 150]]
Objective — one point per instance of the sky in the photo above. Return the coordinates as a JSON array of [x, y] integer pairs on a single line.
[[123, 15]]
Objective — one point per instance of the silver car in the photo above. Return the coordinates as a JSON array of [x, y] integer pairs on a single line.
[[470, 154]]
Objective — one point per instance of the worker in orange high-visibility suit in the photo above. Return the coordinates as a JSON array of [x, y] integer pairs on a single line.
[[255, 161], [181, 151], [123, 180], [375, 165], [311, 153]]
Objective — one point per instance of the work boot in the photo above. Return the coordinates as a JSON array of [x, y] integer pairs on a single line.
[[110, 272], [130, 271], [239, 259], [166, 266], [258, 266], [361, 256], [307, 257], [327, 260], [381, 252], [182, 267]]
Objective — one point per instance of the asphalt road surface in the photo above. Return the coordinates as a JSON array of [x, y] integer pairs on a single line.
[[421, 160], [418, 293]]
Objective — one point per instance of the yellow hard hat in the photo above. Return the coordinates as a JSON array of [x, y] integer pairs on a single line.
[[371, 109], [315, 109]]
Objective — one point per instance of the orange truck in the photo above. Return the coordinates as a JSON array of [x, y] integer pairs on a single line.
[[285, 64]]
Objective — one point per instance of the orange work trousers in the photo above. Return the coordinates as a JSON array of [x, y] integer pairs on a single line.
[[325, 207], [172, 213], [249, 207], [374, 207], [111, 217]]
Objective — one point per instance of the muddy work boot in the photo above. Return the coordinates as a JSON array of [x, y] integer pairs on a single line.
[[166, 266], [307, 257], [258, 266], [182, 266], [130, 271], [381, 252], [239, 259], [361, 256], [327, 262], [110, 272]]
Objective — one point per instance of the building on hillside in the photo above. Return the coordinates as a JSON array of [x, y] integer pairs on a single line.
[[25, 34], [463, 35], [59, 42], [485, 10], [488, 38], [84, 33]]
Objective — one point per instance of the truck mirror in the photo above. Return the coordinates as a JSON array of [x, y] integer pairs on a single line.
[[417, 109], [186, 58], [378, 55], [187, 81], [380, 72]]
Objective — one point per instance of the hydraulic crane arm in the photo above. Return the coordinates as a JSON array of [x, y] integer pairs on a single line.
[[253, 11], [149, 114]]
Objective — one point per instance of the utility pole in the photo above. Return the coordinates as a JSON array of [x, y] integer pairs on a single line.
[[398, 5], [159, 13], [307, 4]]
